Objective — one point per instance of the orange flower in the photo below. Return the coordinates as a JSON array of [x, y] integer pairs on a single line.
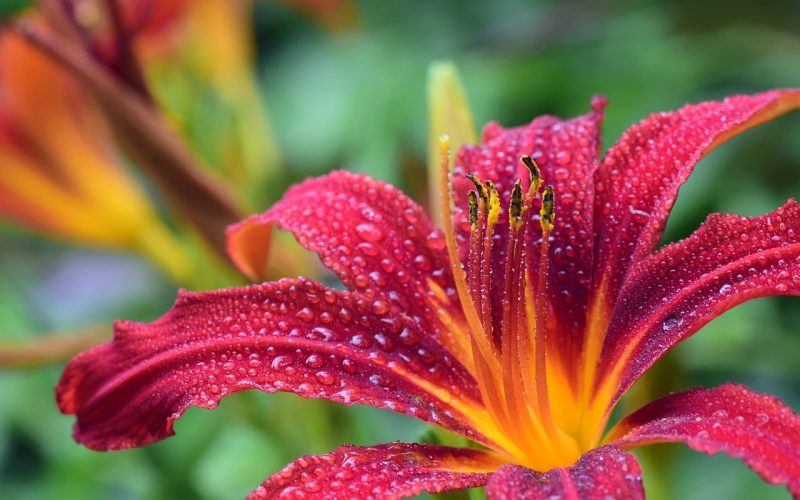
[[61, 174]]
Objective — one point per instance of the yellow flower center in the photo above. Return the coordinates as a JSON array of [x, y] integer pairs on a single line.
[[532, 410]]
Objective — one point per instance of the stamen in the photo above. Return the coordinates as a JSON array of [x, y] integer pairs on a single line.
[[535, 175], [494, 203], [547, 211], [479, 188], [515, 208], [493, 209], [547, 217], [513, 325], [473, 208]]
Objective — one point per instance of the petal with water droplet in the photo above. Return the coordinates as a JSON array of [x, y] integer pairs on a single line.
[[674, 292], [395, 470], [605, 472], [757, 428], [379, 242], [650, 162], [282, 336]]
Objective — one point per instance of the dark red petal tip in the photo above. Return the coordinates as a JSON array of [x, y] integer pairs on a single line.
[[602, 473], [757, 428], [385, 471]]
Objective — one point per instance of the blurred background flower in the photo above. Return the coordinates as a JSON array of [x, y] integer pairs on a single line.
[[345, 86]]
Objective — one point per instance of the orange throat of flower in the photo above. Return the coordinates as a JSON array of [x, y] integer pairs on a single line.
[[532, 412]]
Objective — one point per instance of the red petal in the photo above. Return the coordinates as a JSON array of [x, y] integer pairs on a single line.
[[379, 242], [567, 153], [292, 335], [757, 428], [639, 179], [673, 293], [385, 471], [599, 474]]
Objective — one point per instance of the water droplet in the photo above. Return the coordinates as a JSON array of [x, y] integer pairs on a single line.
[[671, 323], [384, 342], [314, 361], [368, 249], [725, 288], [422, 263], [254, 360], [360, 341], [281, 362], [720, 414], [312, 486], [344, 315], [349, 365], [410, 215], [324, 377], [408, 337], [305, 314], [380, 307], [436, 241], [762, 418], [369, 232], [388, 265]]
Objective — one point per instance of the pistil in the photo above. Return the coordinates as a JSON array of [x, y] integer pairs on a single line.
[[485, 361], [547, 215]]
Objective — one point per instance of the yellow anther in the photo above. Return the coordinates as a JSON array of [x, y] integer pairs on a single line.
[[536, 174], [547, 212], [473, 208], [494, 203], [516, 209]]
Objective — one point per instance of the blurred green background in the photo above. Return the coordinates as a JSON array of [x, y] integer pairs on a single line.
[[356, 99]]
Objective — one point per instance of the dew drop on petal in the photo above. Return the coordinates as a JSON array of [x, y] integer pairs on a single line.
[[670, 323], [380, 307], [324, 377], [369, 232], [305, 314]]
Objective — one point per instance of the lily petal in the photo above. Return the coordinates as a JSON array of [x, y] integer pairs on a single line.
[[605, 472], [639, 178], [567, 154], [673, 293], [394, 470], [291, 335], [380, 243], [757, 428]]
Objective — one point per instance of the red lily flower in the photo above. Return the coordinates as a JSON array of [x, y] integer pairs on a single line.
[[516, 330]]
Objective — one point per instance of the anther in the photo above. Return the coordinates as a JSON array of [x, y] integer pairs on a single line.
[[515, 208], [536, 174], [548, 209], [479, 187], [494, 203], [473, 208]]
